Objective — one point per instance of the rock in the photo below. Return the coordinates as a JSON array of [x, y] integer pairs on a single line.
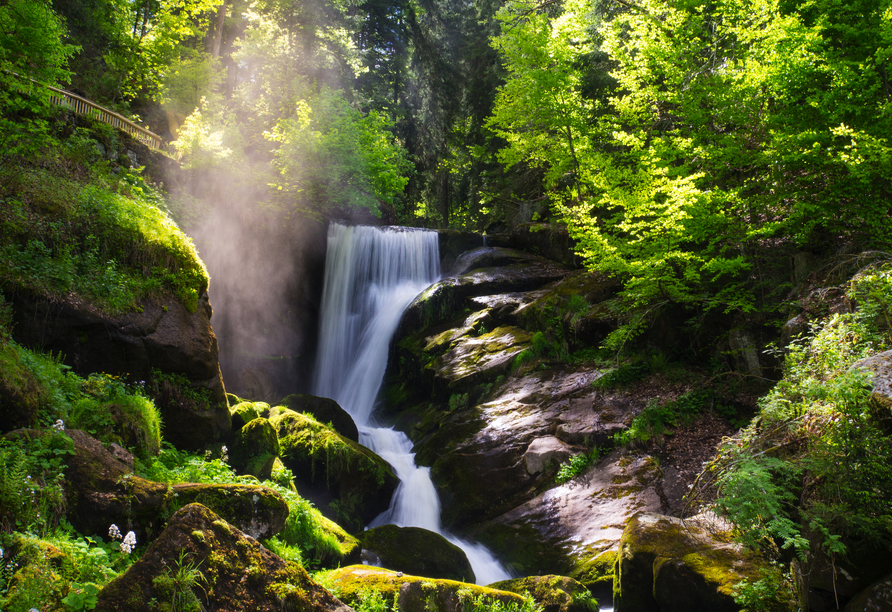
[[232, 572], [448, 297], [553, 593], [21, 393], [543, 452], [879, 368], [744, 353], [417, 551], [349, 483], [596, 573], [165, 336], [453, 243], [101, 490], [130, 420], [667, 564], [875, 598], [255, 448], [324, 410], [245, 412], [556, 530], [413, 593], [551, 240], [472, 360]]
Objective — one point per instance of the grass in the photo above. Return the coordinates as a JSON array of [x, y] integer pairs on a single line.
[[72, 228]]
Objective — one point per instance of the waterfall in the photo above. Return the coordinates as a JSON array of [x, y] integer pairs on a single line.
[[371, 276]]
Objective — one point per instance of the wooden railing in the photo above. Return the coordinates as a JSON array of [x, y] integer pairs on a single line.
[[80, 105]]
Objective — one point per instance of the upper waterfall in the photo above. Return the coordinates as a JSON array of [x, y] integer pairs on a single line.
[[371, 276]]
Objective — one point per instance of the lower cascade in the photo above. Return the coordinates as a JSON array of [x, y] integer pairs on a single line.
[[371, 276]]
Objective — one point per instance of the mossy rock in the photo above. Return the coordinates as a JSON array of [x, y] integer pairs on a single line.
[[245, 412], [667, 564], [255, 448], [413, 593], [596, 572], [417, 551], [21, 394], [324, 410], [233, 572], [101, 490], [553, 593], [131, 421], [349, 483]]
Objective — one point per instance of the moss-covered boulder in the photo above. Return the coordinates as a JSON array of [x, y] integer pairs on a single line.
[[164, 336], [472, 360], [349, 483], [875, 598], [417, 551], [672, 565], [228, 572], [244, 412], [553, 593], [21, 394], [413, 593], [101, 490], [131, 421], [596, 572], [324, 410], [254, 448]]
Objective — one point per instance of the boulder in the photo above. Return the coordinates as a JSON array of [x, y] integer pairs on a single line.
[[875, 598], [255, 448], [553, 593], [349, 483], [324, 410], [472, 360], [229, 571], [165, 335], [414, 593], [557, 530], [667, 564], [879, 368], [101, 490], [545, 452], [417, 551], [244, 412]]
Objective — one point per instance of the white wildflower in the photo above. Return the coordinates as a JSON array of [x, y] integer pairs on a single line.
[[114, 533], [129, 542], [59, 425]]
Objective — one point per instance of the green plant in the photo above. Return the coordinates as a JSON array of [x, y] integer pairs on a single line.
[[622, 375], [578, 464], [176, 586], [458, 401], [81, 596]]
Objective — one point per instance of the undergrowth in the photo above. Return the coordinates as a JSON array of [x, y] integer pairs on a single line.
[[71, 226], [810, 475]]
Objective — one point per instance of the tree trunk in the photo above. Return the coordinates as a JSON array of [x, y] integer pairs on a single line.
[[218, 30]]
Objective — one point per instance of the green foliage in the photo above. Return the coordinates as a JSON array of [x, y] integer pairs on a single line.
[[622, 375], [766, 593], [31, 47], [660, 418], [81, 596], [817, 455], [578, 464], [175, 466], [458, 401], [32, 468], [105, 239], [333, 156], [175, 588]]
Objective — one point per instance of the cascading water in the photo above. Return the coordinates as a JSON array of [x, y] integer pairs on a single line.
[[371, 276]]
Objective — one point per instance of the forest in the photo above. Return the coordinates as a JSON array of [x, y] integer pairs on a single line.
[[717, 167]]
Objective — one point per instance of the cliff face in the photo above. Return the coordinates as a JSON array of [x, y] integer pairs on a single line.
[[164, 337]]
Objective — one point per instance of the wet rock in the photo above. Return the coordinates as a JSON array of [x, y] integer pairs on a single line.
[[746, 357], [667, 564], [544, 452], [165, 335], [349, 483], [413, 593], [324, 410], [553, 593], [232, 572], [554, 531], [418, 552], [471, 360], [101, 490], [448, 297], [255, 448]]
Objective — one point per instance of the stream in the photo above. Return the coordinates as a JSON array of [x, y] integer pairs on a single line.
[[371, 276]]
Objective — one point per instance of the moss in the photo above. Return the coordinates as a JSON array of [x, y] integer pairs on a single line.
[[255, 448], [596, 572], [245, 412], [410, 593]]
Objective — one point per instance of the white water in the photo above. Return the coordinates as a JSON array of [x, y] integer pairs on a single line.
[[371, 276]]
